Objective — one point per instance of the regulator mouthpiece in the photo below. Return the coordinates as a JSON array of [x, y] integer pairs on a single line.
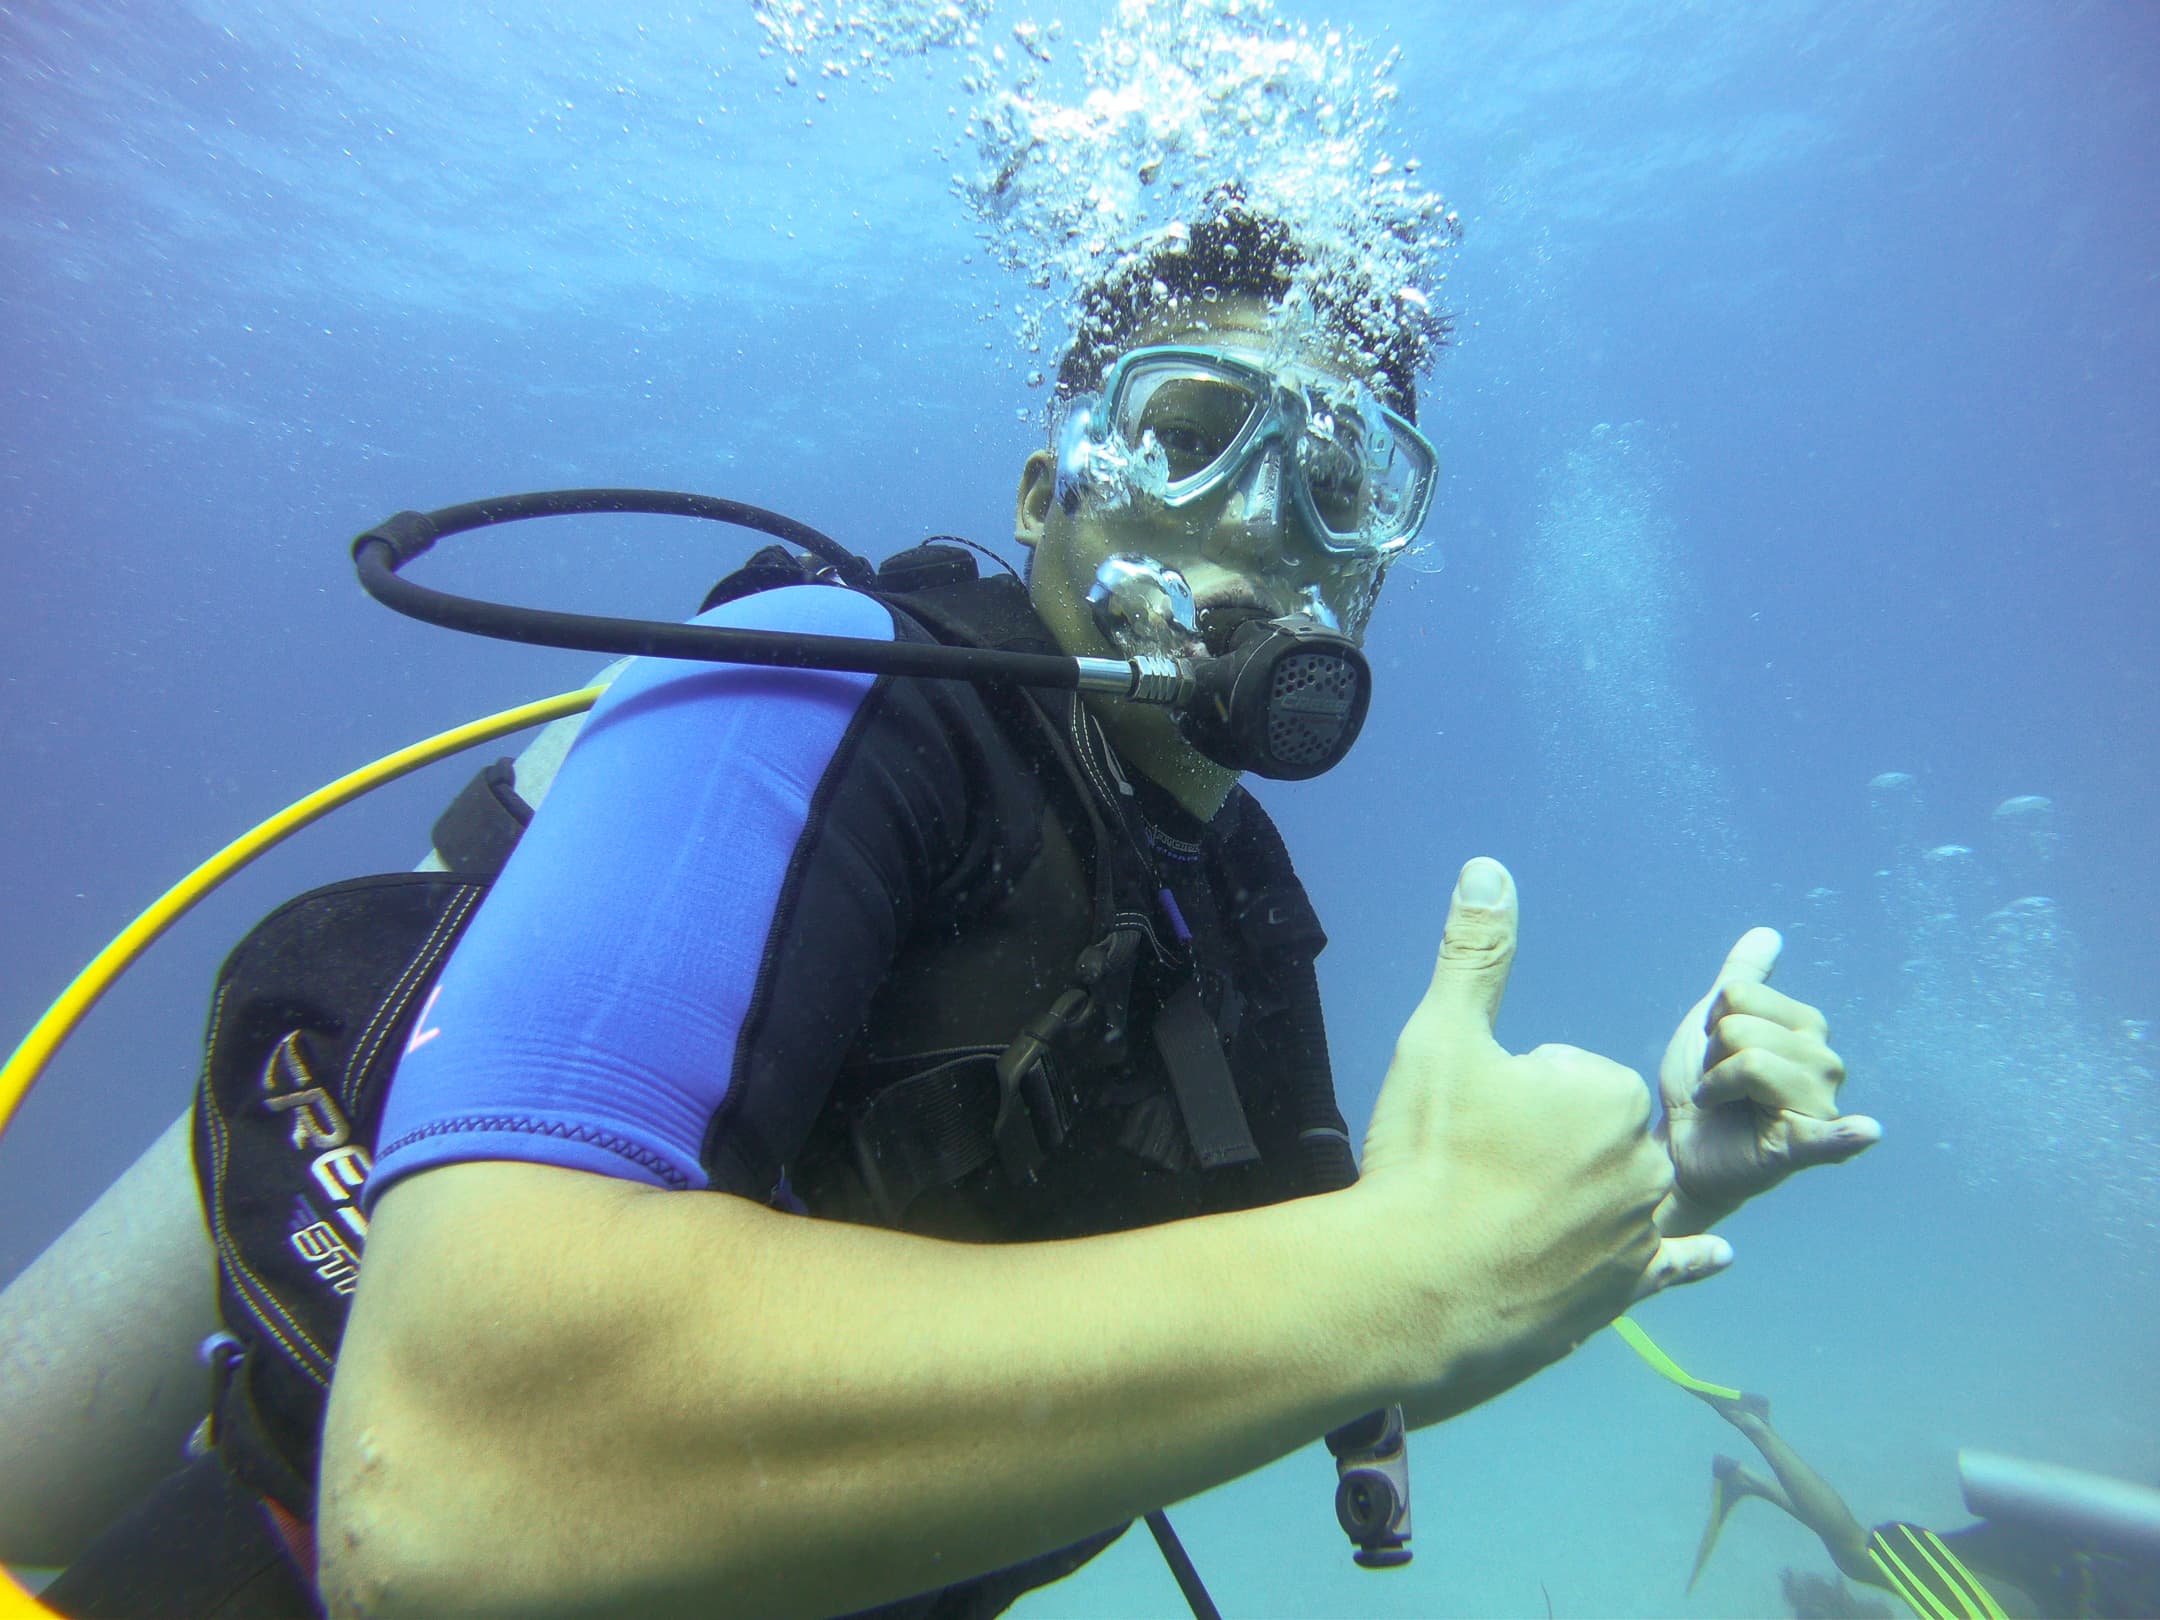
[[1286, 700], [1144, 606]]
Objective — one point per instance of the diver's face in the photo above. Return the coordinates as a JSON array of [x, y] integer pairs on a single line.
[[1243, 547]]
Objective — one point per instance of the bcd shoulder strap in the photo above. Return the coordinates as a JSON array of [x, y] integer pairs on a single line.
[[1281, 932], [476, 833]]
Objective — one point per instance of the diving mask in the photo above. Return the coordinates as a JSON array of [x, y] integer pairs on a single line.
[[1179, 423]]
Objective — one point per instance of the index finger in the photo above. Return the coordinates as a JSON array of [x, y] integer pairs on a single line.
[[1752, 958], [1760, 1001]]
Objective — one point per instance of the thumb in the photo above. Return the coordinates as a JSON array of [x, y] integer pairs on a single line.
[[1478, 948], [1684, 1260], [1828, 1141]]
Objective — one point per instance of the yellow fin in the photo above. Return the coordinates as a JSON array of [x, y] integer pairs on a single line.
[[1662, 1364]]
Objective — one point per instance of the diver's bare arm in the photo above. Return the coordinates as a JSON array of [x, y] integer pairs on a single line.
[[99, 1383], [563, 1392]]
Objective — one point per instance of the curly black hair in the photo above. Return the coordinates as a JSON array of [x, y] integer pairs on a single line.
[[1236, 252]]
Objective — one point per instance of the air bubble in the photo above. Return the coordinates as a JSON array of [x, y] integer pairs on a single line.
[[1167, 101]]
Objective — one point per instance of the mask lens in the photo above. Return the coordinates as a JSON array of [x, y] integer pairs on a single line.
[[1196, 415], [1370, 475], [1401, 470]]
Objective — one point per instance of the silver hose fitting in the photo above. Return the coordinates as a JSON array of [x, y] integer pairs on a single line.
[[1157, 680], [1149, 678]]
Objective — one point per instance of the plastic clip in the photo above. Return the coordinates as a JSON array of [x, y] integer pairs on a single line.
[[1033, 1115]]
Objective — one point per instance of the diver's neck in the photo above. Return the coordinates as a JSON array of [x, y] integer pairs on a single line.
[[1199, 785], [1148, 743]]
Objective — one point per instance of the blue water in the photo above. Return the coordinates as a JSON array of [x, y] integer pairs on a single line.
[[1802, 427]]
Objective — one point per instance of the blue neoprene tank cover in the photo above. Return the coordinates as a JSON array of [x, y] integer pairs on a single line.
[[592, 1015]]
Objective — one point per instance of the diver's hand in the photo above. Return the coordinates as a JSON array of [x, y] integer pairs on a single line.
[[1750, 1089], [1515, 1193]]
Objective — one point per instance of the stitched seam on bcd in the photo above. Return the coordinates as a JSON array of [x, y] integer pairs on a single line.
[[392, 1007]]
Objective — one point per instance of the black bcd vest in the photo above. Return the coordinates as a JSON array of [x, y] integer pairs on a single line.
[[1082, 1069]]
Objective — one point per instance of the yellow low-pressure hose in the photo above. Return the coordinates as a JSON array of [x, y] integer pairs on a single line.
[[30, 1058]]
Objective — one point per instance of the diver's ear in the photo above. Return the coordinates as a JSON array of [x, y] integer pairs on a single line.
[[1038, 482]]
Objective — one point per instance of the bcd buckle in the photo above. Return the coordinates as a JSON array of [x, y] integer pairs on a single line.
[[1035, 1101], [1032, 1116]]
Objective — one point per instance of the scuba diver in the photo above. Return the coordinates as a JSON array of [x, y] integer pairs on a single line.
[[2050, 1542], [1009, 990]]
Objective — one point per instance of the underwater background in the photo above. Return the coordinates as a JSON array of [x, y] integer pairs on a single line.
[[1795, 563]]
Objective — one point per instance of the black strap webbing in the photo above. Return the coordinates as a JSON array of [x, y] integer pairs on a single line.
[[1207, 1093], [199, 1545], [475, 835]]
